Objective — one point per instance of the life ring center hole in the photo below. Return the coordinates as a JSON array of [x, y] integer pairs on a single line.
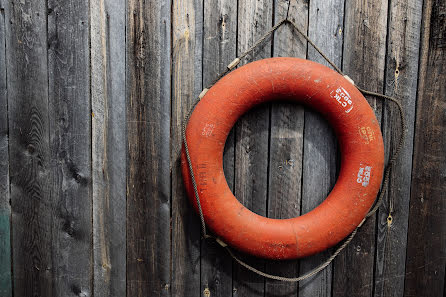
[[281, 160]]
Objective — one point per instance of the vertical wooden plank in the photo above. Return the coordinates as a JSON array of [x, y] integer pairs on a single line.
[[187, 45], [27, 82], [107, 29], [401, 82], [219, 49], [364, 61], [320, 146], [426, 246], [286, 145], [252, 137], [5, 207], [148, 175], [70, 144]]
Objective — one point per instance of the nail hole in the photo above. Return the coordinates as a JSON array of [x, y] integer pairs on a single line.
[[30, 148]]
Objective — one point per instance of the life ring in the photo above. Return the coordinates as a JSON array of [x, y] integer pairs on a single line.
[[359, 137]]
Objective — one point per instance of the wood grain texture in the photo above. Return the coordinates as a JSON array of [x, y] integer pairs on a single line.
[[252, 139], [187, 46], [365, 27], [70, 146], [5, 207], [426, 246], [320, 145], [29, 146], [108, 114], [148, 175], [401, 82], [92, 98], [286, 145], [219, 49]]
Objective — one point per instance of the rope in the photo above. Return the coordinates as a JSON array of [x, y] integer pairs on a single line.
[[385, 183]]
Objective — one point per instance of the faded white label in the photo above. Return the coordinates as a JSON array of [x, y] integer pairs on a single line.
[[343, 98], [364, 175], [207, 130], [367, 134]]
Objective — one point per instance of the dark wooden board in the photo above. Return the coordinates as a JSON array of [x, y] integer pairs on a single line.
[[286, 145], [426, 243], [187, 46], [252, 139], [5, 207], [403, 44], [29, 146], [109, 146], [365, 28], [320, 146], [70, 146], [148, 174], [219, 49]]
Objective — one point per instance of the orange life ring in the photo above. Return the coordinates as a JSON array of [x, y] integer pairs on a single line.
[[356, 128]]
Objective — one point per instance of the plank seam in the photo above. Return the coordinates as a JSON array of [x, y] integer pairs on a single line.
[[92, 262]]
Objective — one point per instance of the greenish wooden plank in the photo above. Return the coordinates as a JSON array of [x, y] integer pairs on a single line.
[[5, 251], [5, 208]]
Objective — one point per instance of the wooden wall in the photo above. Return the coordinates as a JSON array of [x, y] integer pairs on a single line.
[[92, 98]]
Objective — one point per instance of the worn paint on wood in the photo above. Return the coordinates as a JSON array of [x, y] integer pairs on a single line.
[[426, 244], [107, 115]]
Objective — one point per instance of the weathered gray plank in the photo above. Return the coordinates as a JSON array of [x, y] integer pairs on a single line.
[[148, 176], [187, 26], [252, 133], [426, 246], [364, 61], [70, 145], [27, 82], [108, 158], [401, 82], [5, 207], [219, 49], [286, 145], [320, 146]]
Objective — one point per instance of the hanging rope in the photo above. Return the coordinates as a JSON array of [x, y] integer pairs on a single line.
[[385, 184]]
